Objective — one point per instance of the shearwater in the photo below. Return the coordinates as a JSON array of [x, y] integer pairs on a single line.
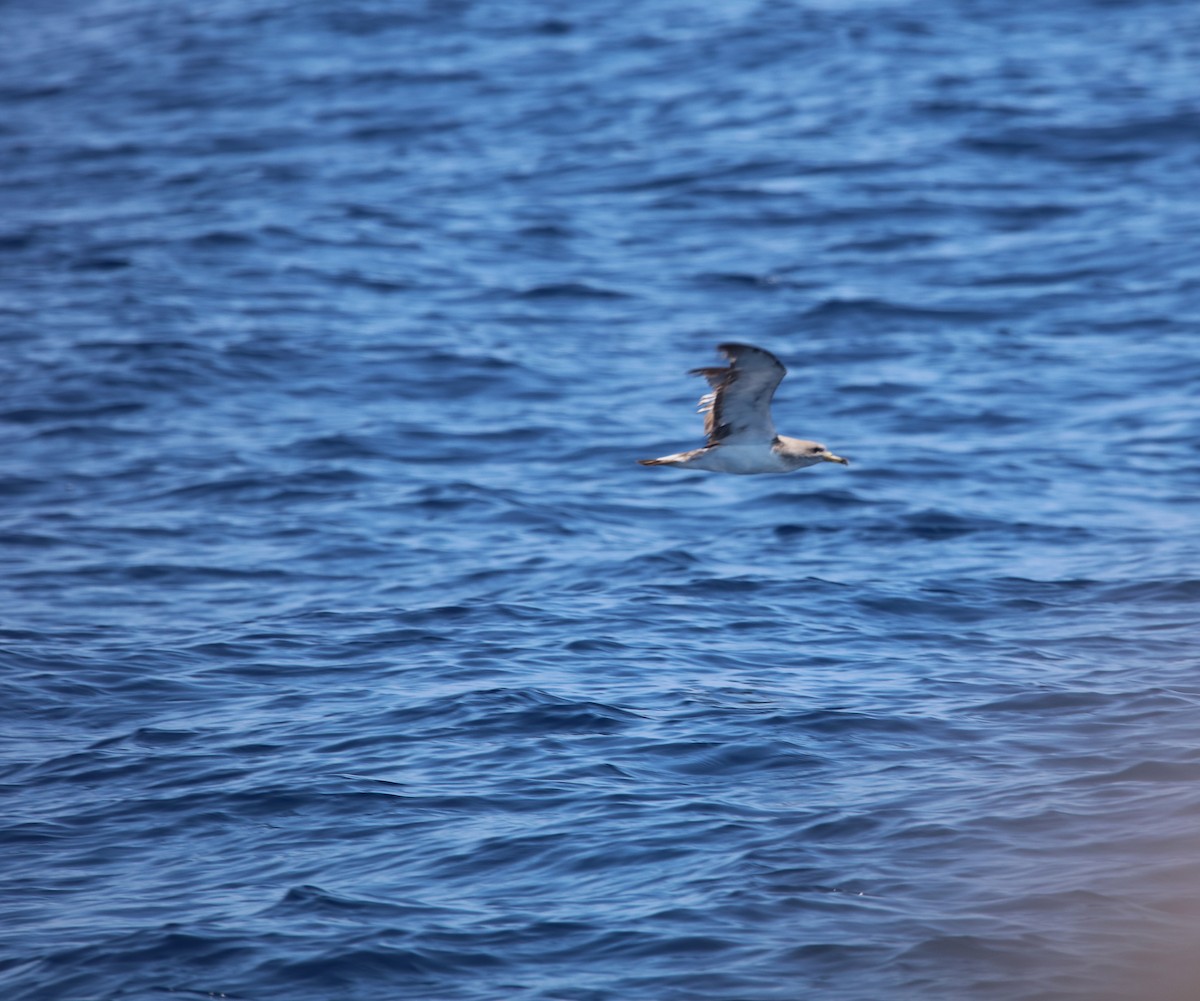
[[737, 421]]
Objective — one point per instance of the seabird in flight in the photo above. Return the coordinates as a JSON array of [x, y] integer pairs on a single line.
[[737, 421]]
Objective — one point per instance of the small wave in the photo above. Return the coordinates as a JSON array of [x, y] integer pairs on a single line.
[[1118, 142], [37, 415], [570, 290], [518, 712], [866, 308]]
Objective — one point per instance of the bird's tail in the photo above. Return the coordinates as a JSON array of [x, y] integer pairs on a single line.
[[678, 459]]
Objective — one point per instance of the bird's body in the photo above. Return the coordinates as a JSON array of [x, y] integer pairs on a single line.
[[741, 433]]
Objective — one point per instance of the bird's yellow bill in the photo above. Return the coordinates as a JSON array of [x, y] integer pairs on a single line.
[[830, 457]]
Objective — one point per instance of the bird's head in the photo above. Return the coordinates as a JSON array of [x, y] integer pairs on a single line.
[[809, 453]]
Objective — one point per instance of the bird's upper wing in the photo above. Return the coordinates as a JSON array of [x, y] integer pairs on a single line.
[[739, 407]]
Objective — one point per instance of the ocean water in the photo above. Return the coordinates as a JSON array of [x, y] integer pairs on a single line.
[[347, 655]]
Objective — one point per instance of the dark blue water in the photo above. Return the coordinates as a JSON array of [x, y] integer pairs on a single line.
[[347, 654]]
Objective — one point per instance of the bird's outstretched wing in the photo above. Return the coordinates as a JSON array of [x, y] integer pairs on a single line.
[[738, 410]]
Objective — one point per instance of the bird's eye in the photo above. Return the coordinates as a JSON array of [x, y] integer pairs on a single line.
[[816, 449]]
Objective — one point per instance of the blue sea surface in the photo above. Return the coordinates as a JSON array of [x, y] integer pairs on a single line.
[[346, 654]]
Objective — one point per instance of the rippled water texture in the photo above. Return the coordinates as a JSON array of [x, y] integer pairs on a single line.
[[348, 654]]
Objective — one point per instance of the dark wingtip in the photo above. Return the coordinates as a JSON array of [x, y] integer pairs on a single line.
[[731, 350]]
